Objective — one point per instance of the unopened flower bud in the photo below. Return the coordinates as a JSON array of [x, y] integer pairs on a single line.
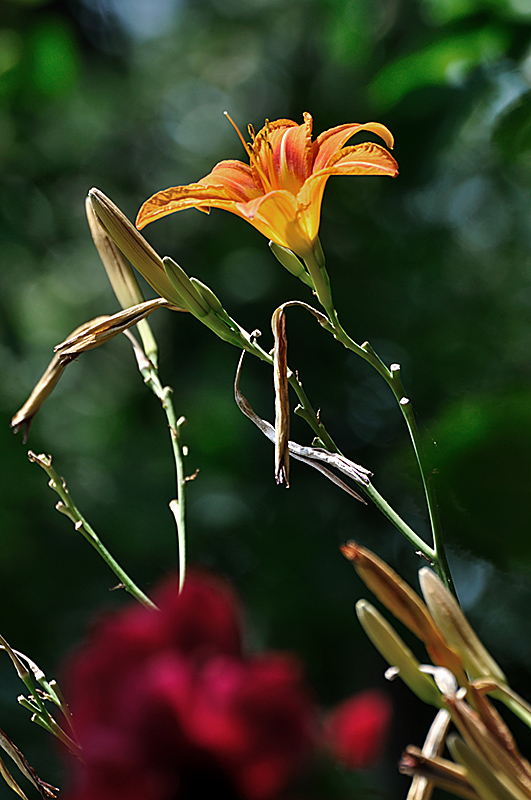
[[456, 629], [216, 307], [208, 295], [118, 269], [184, 287], [133, 245], [121, 276], [405, 604], [397, 653], [291, 262]]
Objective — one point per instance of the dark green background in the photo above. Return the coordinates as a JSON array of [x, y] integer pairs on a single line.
[[434, 268]]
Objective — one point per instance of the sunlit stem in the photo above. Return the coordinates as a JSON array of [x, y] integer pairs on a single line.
[[307, 412], [67, 507], [148, 341], [316, 267], [178, 505], [237, 336], [427, 551]]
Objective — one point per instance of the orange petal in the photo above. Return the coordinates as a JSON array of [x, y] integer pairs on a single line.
[[195, 195], [293, 156], [273, 206], [309, 201], [236, 178], [331, 141], [228, 183], [275, 215], [267, 142], [361, 159]]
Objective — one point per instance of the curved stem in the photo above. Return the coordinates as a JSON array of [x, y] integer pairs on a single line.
[[427, 551], [67, 507], [392, 378], [248, 342], [164, 393]]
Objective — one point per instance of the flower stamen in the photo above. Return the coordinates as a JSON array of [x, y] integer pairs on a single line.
[[270, 172], [246, 146]]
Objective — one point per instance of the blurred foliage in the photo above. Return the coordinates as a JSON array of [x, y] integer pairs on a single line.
[[433, 268]]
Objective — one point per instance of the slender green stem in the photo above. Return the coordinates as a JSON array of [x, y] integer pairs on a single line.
[[67, 506], [178, 505], [392, 378], [28, 671], [242, 339], [307, 412], [372, 493]]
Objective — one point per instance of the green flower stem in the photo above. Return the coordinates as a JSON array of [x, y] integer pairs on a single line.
[[306, 411], [427, 551], [67, 506], [178, 505], [36, 705], [240, 338], [393, 380], [46, 721]]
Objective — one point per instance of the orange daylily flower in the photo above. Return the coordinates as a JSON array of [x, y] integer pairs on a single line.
[[281, 190]]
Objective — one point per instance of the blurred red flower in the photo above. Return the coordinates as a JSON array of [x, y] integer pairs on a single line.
[[167, 706], [355, 730]]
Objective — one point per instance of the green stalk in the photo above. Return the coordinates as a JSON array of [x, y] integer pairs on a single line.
[[427, 551], [67, 507], [307, 412], [178, 505], [392, 378]]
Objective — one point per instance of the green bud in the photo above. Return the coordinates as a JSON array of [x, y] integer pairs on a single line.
[[215, 304], [456, 629], [121, 277], [208, 295], [192, 299], [118, 269], [291, 262], [397, 653], [133, 245]]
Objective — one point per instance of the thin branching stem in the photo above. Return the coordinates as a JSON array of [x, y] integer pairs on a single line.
[[392, 378], [67, 507], [178, 505]]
